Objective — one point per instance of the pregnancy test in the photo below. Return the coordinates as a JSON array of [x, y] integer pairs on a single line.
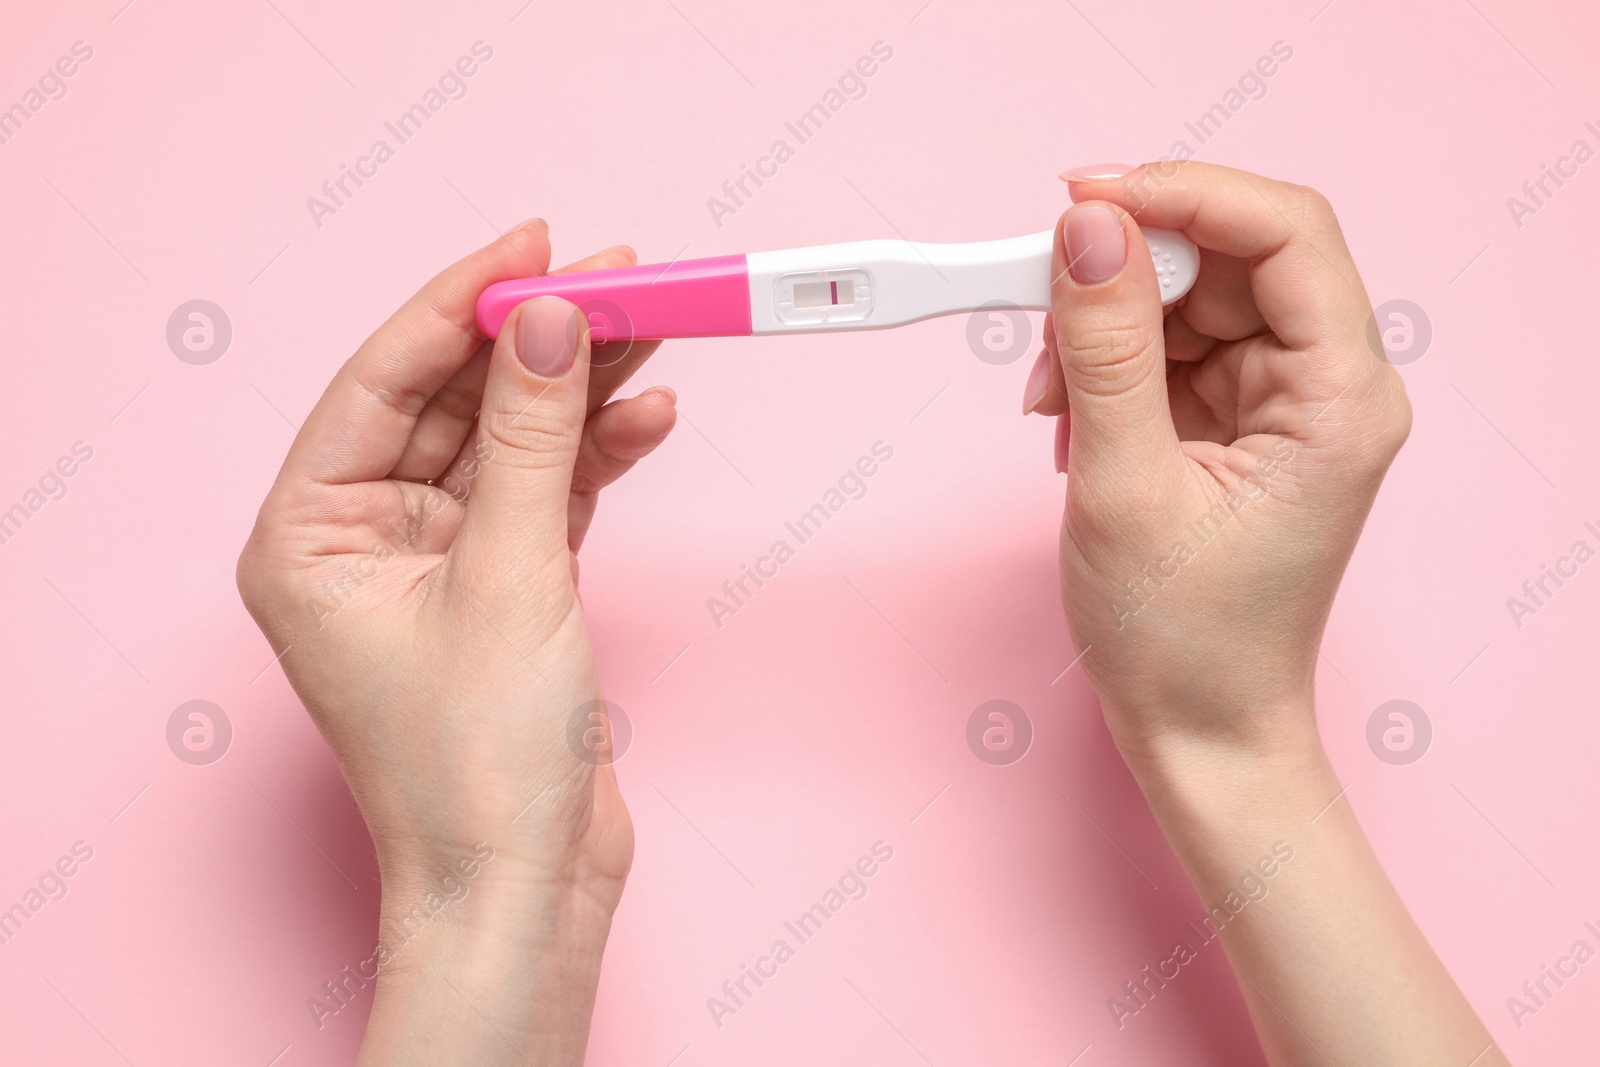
[[861, 285]]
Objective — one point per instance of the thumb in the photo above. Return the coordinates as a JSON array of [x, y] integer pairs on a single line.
[[1106, 309], [529, 428]]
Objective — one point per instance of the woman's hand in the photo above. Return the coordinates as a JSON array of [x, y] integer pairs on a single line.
[[414, 565], [1222, 459], [1221, 462]]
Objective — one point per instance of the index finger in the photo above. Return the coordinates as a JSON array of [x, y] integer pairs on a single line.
[[360, 428], [1302, 277]]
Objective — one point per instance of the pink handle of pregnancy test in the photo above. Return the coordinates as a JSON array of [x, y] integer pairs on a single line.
[[690, 298]]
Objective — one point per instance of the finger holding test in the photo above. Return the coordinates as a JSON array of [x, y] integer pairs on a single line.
[[1286, 233], [1319, 351], [361, 428], [446, 421]]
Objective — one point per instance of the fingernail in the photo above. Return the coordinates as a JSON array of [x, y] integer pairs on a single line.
[[1096, 172], [666, 391], [1096, 247], [1038, 382], [1063, 433], [548, 336]]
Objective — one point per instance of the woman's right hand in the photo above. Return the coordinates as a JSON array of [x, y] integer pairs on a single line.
[[1221, 463], [1221, 459]]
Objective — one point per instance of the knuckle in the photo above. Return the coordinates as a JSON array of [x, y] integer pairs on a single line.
[[534, 437], [398, 396], [1377, 426], [1314, 209], [1397, 414], [247, 577], [458, 401], [263, 586], [1109, 357]]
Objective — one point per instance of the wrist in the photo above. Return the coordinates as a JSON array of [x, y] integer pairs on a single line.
[[1211, 793], [1226, 806], [1164, 734], [1224, 758], [499, 965]]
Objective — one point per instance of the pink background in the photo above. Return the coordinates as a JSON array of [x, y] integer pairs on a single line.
[[828, 713]]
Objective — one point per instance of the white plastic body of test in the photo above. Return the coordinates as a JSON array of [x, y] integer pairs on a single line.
[[906, 281]]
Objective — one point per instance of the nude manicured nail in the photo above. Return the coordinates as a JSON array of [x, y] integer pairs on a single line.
[[1096, 172], [547, 336], [1096, 246], [1038, 382]]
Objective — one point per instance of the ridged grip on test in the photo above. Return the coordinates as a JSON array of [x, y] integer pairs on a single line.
[[690, 298]]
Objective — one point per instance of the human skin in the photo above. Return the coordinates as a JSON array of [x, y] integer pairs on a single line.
[[1221, 460], [414, 564]]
